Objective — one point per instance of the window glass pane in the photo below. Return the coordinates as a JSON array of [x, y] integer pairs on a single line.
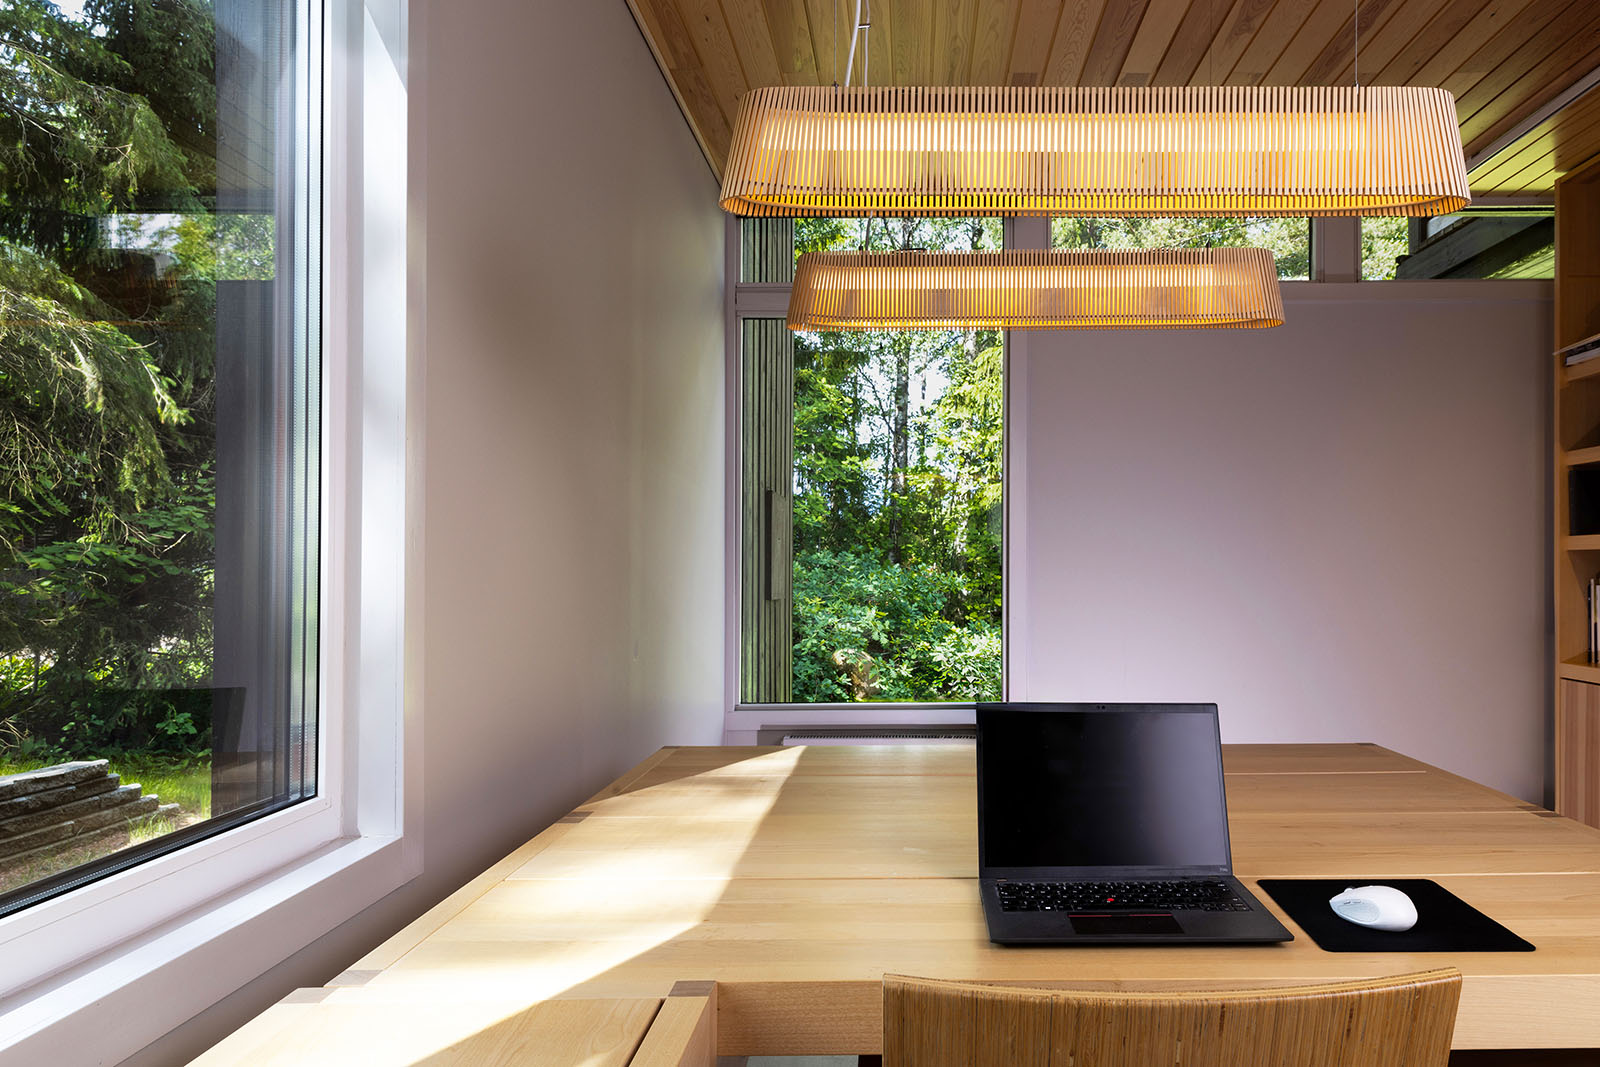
[[159, 376], [871, 494], [1289, 239], [1514, 244], [890, 235], [898, 515]]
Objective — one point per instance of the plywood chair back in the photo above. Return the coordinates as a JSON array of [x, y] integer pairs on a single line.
[[1403, 1021]]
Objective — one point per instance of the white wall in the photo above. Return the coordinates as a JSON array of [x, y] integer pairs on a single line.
[[567, 579], [1337, 530]]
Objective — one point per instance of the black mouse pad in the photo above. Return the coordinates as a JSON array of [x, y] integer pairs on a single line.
[[1445, 922]]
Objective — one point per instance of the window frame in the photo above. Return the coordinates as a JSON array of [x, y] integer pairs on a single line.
[[741, 722], [152, 946]]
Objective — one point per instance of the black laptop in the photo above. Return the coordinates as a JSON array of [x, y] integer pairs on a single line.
[[1107, 824]]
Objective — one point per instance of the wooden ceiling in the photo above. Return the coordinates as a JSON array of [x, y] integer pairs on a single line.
[[1505, 60]]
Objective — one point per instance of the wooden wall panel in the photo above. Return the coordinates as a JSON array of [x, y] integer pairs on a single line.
[[1578, 751]]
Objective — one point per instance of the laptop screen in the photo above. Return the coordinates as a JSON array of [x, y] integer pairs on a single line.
[[1101, 785]]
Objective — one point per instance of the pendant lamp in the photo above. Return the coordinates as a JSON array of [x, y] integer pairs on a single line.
[[1183, 288], [1037, 150]]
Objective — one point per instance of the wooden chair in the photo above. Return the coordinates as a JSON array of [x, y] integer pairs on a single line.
[[1404, 1021]]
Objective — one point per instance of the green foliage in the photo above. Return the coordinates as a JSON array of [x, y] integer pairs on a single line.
[[107, 339], [1289, 239], [897, 497], [1383, 241]]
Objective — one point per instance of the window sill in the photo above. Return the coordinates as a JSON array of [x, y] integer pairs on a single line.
[[157, 981]]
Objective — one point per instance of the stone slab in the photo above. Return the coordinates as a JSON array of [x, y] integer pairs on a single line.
[[120, 813], [66, 812], [63, 796], [15, 785], [15, 846]]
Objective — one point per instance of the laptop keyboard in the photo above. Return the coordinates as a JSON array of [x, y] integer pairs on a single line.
[[1185, 894]]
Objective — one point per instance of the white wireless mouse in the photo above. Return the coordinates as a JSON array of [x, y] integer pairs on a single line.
[[1380, 907]]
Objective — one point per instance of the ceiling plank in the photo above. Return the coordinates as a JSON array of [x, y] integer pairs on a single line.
[[1277, 30], [719, 59], [1187, 57], [1577, 142], [1315, 31], [912, 60], [1561, 143], [1483, 27], [1387, 40], [1074, 37], [1567, 49], [1156, 31], [951, 25], [1508, 38], [1438, 35], [1118, 24], [752, 42], [1336, 56], [1243, 23], [791, 40], [991, 42], [882, 44], [1030, 46]]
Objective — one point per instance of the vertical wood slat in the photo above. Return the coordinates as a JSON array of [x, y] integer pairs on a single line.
[[766, 671], [1578, 751]]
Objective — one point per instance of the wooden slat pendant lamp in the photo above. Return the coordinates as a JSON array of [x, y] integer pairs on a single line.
[[1183, 288], [1039, 150]]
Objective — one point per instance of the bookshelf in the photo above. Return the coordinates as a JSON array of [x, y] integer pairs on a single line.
[[1577, 493]]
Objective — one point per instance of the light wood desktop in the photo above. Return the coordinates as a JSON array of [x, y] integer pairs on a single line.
[[793, 878]]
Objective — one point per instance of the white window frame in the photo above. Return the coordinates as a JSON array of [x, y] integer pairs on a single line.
[[106, 969]]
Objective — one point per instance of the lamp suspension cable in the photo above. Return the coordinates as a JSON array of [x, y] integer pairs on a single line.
[[1356, 27], [856, 34]]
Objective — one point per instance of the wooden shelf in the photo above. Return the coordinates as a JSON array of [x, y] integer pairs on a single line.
[[1582, 457], [1591, 339], [1578, 670], [1582, 543], [1582, 370]]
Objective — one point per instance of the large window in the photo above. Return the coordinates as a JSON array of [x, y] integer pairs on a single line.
[[872, 486], [159, 376]]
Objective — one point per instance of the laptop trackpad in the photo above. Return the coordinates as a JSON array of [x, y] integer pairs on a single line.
[[1125, 924]]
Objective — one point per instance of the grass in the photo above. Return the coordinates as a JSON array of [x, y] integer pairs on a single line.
[[186, 783]]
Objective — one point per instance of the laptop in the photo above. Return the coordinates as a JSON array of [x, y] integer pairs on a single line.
[[1106, 824]]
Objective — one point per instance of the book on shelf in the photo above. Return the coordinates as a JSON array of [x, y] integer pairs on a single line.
[[1594, 624], [1581, 352]]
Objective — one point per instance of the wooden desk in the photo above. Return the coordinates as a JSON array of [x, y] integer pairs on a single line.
[[794, 878]]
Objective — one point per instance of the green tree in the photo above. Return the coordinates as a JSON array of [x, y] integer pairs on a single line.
[[1289, 239], [107, 127]]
